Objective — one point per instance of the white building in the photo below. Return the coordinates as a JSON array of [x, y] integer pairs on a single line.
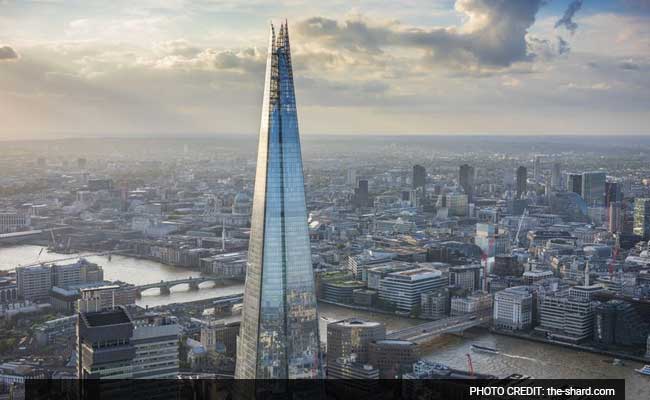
[[13, 222], [513, 308], [155, 339], [34, 283], [403, 289]]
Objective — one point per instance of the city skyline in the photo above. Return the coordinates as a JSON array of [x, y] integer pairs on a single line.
[[451, 67]]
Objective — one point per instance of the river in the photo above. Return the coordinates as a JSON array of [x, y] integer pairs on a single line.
[[538, 360]]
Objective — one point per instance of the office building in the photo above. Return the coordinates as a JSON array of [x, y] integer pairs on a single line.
[[574, 183], [466, 277], [279, 329], [112, 345], [537, 168], [615, 217], [220, 336], [513, 308], [79, 272], [457, 204], [642, 218], [477, 303], [593, 188], [13, 222], [361, 197], [419, 177], [104, 345], [352, 336], [155, 340], [568, 315], [34, 283], [351, 369], [403, 289], [556, 176], [466, 181], [393, 358], [613, 193], [522, 182], [616, 322], [490, 241], [435, 304]]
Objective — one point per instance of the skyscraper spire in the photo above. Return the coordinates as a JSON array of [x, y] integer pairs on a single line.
[[279, 331]]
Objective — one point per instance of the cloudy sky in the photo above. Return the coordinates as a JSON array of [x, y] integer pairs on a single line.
[[116, 68]]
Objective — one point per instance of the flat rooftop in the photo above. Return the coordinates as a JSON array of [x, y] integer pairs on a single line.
[[107, 318]]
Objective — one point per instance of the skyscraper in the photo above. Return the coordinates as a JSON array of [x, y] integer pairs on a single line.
[[279, 330], [556, 176], [419, 177], [537, 168], [466, 180], [574, 183], [642, 218], [593, 188], [522, 177]]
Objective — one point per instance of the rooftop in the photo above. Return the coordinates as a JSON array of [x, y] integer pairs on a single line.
[[106, 318]]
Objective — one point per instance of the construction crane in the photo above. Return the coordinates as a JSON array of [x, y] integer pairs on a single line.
[[521, 222], [470, 365], [617, 247]]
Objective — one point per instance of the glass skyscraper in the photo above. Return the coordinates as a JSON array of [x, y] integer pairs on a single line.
[[279, 330]]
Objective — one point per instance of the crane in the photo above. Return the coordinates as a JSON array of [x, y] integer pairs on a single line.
[[470, 365], [521, 222]]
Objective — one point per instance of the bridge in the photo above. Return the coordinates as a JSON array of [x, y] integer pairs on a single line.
[[13, 238], [422, 333], [165, 286], [76, 257]]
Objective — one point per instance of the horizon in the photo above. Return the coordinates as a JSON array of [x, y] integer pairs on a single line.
[[469, 68]]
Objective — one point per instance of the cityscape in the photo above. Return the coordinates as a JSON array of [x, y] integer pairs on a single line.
[[360, 257]]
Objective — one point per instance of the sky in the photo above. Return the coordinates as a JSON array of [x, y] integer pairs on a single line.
[[96, 68]]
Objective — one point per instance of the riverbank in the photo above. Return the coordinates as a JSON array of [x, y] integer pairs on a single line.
[[589, 349]]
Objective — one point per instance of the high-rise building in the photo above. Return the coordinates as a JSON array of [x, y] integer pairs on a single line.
[[574, 183], [419, 177], [642, 218], [593, 188], [466, 180], [522, 178], [615, 221], [556, 176], [352, 336], [403, 289], [279, 330], [361, 196], [34, 283], [537, 168], [613, 193], [393, 357]]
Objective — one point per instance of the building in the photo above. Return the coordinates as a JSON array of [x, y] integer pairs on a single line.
[[34, 282], [79, 272], [568, 315], [435, 305], [8, 290], [338, 291], [556, 176], [155, 339], [593, 188], [466, 277], [393, 358], [352, 336], [419, 177], [361, 194], [403, 289], [112, 345], [105, 296], [56, 330], [513, 308], [522, 182], [490, 240], [104, 345], [479, 302], [349, 368], [13, 222], [466, 181], [220, 336], [279, 329], [642, 218], [616, 322], [615, 218], [457, 204], [574, 183], [537, 168]]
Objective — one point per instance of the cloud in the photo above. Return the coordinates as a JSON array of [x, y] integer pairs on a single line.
[[567, 19], [494, 35], [8, 54], [562, 46], [629, 66]]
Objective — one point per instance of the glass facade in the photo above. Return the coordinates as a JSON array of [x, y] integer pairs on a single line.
[[279, 331]]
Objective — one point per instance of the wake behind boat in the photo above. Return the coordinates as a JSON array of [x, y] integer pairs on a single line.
[[484, 349], [644, 371]]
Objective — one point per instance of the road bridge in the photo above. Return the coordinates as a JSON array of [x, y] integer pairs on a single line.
[[165, 286], [428, 330]]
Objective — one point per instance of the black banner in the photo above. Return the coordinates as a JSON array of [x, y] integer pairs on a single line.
[[430, 389]]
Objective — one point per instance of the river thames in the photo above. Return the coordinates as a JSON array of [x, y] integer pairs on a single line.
[[538, 360]]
